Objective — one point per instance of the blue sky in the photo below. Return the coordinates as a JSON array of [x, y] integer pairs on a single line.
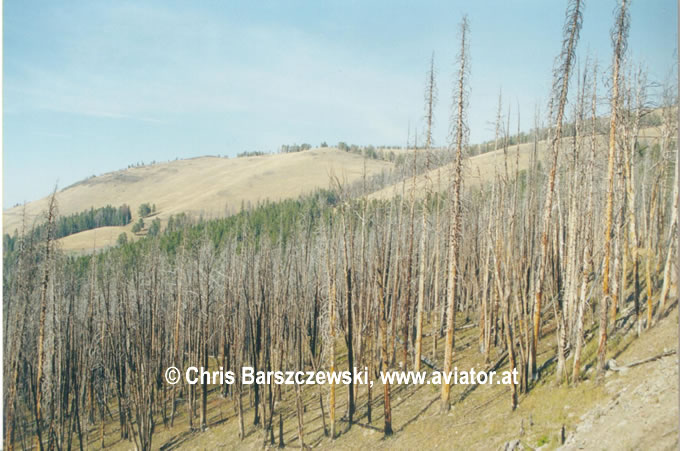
[[92, 86]]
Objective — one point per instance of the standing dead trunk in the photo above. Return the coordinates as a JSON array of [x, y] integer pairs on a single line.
[[382, 279], [423, 232], [51, 216], [619, 46], [330, 264], [560, 90], [672, 239], [456, 181], [587, 255]]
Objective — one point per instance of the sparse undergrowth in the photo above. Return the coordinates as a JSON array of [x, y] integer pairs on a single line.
[[482, 420]]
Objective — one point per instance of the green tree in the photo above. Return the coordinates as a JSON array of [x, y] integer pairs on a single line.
[[139, 225], [122, 239], [144, 210], [155, 227]]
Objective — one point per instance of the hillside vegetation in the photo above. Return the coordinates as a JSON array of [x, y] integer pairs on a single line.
[[556, 264], [205, 186], [483, 168]]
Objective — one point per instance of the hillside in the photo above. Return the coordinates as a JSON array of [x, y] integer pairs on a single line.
[[633, 408], [586, 414], [215, 187], [208, 186], [482, 168]]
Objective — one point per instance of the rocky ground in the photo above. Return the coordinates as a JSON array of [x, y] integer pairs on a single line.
[[641, 411]]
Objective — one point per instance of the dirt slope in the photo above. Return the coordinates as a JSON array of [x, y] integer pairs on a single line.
[[641, 410]]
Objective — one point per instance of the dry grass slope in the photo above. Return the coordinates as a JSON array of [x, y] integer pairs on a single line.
[[216, 187], [208, 186], [483, 168]]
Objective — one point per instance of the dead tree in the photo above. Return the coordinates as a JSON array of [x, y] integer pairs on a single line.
[[560, 90], [430, 97], [588, 236], [456, 181], [620, 35], [49, 238]]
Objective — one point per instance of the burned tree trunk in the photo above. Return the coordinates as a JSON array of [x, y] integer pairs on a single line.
[[620, 38], [455, 209]]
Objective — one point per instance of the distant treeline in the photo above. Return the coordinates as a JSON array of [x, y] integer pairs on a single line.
[[251, 153], [292, 148], [275, 221], [369, 151], [85, 220], [92, 219]]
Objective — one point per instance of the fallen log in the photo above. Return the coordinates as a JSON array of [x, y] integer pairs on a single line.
[[423, 359], [612, 365]]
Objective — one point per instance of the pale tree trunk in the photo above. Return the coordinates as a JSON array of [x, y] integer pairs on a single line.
[[560, 89], [650, 249], [574, 235], [485, 320], [618, 228], [178, 316], [629, 167], [435, 288], [330, 264], [619, 46], [423, 233], [587, 255], [455, 212], [409, 265], [672, 239]]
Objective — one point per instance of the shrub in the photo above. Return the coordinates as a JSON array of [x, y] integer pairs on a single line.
[[155, 227], [139, 225], [144, 210]]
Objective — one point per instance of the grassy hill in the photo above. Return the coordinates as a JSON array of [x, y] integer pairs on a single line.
[[481, 416], [215, 187], [207, 186], [482, 168]]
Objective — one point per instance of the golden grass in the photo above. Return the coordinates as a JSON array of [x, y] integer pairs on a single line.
[[97, 238], [208, 186], [216, 187], [483, 168]]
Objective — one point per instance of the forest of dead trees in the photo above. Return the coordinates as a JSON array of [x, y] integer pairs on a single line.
[[583, 237]]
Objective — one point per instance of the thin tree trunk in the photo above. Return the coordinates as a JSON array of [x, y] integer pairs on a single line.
[[619, 46]]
